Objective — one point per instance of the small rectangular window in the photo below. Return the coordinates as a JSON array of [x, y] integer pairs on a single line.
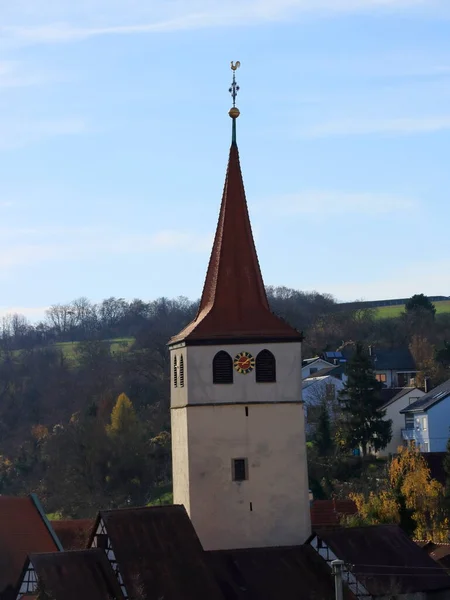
[[424, 423], [381, 377], [240, 470]]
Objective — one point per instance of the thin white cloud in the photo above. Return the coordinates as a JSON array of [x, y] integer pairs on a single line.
[[367, 126], [15, 133], [82, 244], [14, 74], [320, 203], [38, 21]]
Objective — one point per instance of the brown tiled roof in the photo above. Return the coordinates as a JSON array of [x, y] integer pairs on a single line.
[[385, 560], [234, 304], [73, 533], [159, 554], [22, 530], [296, 573], [82, 574], [328, 513]]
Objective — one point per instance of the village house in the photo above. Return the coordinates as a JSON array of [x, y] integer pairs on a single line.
[[393, 407], [381, 562], [427, 420], [394, 367], [24, 529], [73, 575], [310, 366]]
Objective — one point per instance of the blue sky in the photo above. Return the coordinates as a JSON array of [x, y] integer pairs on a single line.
[[114, 138]]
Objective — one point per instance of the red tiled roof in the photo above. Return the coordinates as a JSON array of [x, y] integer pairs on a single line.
[[328, 513], [85, 574], [234, 304], [22, 531], [73, 533]]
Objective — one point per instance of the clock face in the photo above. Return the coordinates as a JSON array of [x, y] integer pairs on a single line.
[[244, 362]]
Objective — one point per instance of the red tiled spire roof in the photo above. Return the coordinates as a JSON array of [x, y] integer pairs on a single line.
[[234, 304]]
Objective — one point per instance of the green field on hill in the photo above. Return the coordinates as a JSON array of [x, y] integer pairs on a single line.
[[386, 312], [117, 345]]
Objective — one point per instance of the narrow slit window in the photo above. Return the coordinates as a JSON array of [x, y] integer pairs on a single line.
[[240, 469], [265, 367], [181, 371], [222, 368], [175, 372]]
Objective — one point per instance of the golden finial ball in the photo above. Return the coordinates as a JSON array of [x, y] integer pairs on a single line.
[[234, 112]]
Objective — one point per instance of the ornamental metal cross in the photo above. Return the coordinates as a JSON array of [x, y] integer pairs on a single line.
[[234, 87]]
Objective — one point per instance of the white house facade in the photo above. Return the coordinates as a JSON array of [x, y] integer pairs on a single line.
[[393, 408]]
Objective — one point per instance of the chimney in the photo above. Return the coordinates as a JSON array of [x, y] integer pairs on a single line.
[[427, 385]]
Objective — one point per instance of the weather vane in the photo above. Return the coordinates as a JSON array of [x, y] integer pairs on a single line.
[[234, 111], [234, 87]]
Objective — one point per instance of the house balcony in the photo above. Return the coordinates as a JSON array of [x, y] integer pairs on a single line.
[[409, 434]]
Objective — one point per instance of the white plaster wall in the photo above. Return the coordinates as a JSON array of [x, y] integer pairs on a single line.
[[272, 439], [180, 457], [199, 387], [398, 420]]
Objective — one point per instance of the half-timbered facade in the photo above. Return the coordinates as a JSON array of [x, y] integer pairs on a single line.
[[102, 540], [71, 575], [382, 562]]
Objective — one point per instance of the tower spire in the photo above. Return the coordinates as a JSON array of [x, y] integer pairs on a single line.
[[234, 112], [234, 303]]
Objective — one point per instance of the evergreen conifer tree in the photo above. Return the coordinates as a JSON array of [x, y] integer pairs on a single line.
[[364, 425], [322, 435]]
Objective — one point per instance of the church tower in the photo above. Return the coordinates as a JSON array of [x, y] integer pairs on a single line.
[[238, 434]]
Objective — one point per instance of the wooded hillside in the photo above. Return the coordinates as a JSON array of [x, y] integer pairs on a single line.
[[65, 435]]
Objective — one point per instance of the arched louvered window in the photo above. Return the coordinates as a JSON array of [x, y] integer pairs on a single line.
[[265, 367], [222, 368], [181, 372], [175, 372]]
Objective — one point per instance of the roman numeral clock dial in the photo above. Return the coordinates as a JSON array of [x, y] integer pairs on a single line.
[[244, 363]]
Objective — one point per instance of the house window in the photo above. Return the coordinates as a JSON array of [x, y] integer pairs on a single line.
[[265, 367], [102, 541], [381, 377], [239, 468], [181, 371], [424, 423], [409, 421], [312, 370], [425, 446], [175, 373], [222, 368]]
